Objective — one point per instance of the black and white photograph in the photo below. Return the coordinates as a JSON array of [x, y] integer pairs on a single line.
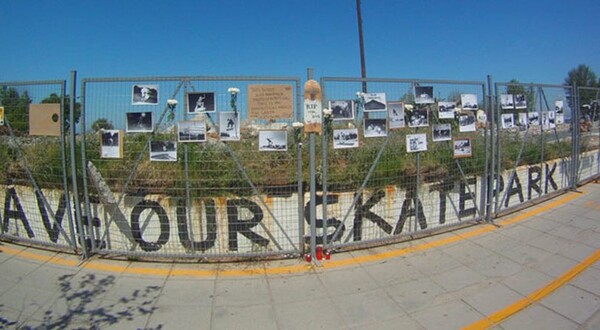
[[446, 110], [191, 131], [559, 106], [396, 115], [345, 138], [508, 120], [416, 142], [419, 117], [375, 127], [520, 101], [375, 102], [199, 102], [560, 118], [442, 132], [469, 102], [342, 109], [272, 140], [462, 148], [111, 143], [467, 123], [507, 102], [481, 118], [144, 95], [424, 94], [163, 151], [229, 126], [549, 119], [533, 118], [523, 120], [139, 122]]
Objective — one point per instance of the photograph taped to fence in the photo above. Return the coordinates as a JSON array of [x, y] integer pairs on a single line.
[[342, 109], [520, 102], [508, 120], [111, 142], [442, 132], [469, 102], [416, 142], [375, 127], [559, 106], [144, 95], [163, 151], [139, 122], [229, 126], [191, 131], [272, 140], [419, 117], [462, 148], [424, 94], [375, 102], [345, 138], [467, 123], [446, 110], [199, 102], [533, 118], [507, 102], [396, 115]]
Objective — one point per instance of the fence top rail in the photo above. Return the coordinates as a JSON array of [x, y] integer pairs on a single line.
[[589, 88], [532, 85], [191, 78], [32, 82], [394, 80]]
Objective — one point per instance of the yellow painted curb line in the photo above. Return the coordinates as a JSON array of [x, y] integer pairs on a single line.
[[126, 268], [538, 295]]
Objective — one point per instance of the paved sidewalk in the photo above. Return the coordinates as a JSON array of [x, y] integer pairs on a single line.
[[538, 269]]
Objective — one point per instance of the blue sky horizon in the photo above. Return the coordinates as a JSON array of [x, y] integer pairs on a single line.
[[455, 40]]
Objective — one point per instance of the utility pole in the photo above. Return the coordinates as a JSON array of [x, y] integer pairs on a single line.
[[363, 68]]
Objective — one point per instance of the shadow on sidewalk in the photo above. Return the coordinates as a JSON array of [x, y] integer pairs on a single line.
[[83, 310]]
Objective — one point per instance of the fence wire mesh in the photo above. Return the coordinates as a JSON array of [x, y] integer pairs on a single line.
[[534, 143], [37, 203], [589, 133], [416, 165], [187, 182]]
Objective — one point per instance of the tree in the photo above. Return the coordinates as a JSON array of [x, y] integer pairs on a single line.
[[55, 98], [101, 123], [584, 76], [16, 109]]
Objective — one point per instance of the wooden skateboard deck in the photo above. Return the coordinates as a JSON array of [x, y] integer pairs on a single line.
[[313, 109]]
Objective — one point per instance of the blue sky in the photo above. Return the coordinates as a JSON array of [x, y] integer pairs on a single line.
[[532, 41]]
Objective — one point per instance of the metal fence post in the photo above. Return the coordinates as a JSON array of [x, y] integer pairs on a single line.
[[78, 215], [489, 167]]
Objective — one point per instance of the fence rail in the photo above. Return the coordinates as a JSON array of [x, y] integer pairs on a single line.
[[224, 173]]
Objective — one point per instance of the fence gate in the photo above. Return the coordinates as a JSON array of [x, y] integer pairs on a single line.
[[588, 143], [202, 178], [533, 145], [404, 169], [33, 161]]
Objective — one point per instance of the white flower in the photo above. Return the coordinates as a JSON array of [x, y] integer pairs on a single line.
[[172, 102], [360, 94], [233, 90], [327, 112], [408, 107], [351, 125], [298, 124]]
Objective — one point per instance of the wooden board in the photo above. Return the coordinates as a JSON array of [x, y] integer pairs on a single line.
[[270, 102], [44, 119], [313, 108]]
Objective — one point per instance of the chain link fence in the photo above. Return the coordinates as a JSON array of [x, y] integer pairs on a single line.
[[418, 164], [213, 168], [33, 162]]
